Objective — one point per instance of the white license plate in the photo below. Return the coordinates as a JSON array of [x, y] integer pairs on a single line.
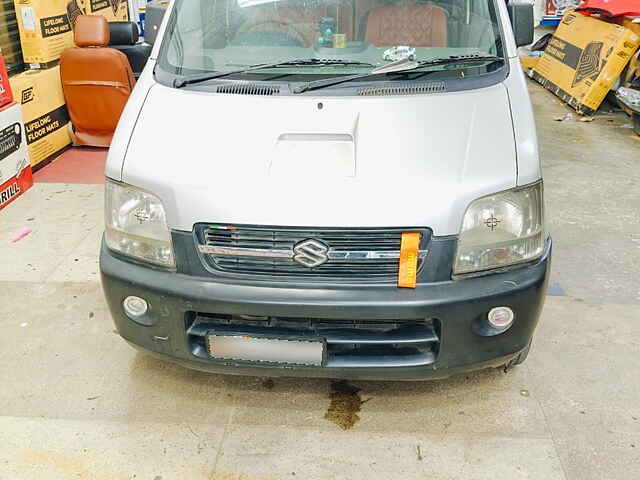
[[260, 349]]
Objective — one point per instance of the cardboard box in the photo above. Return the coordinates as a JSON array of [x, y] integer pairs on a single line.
[[584, 59], [74, 10], [112, 10], [45, 30], [6, 96], [633, 72], [11, 50], [529, 62], [46, 120], [630, 23], [15, 169], [633, 68]]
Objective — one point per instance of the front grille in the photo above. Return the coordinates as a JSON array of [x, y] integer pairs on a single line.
[[349, 343], [353, 253]]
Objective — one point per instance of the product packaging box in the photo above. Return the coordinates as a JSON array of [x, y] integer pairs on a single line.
[[6, 96], [529, 62], [46, 120], [632, 23], [15, 169], [633, 72], [46, 26], [112, 10], [584, 59], [45, 30], [11, 49]]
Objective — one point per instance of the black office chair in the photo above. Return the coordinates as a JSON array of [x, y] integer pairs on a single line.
[[125, 38], [155, 14]]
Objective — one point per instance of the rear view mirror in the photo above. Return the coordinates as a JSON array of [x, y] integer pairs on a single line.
[[521, 15]]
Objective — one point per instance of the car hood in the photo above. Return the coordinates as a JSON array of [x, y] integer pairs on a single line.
[[389, 161]]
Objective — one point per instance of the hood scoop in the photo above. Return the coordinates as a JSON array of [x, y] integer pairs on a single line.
[[248, 89], [415, 89]]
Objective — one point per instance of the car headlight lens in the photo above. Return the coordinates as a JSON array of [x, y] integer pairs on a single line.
[[501, 230], [136, 225]]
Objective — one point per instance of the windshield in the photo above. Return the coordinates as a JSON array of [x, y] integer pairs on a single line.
[[347, 36]]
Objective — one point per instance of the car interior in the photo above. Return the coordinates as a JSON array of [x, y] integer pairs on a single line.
[[377, 22]]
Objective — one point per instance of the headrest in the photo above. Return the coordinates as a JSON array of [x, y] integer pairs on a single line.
[[91, 31], [123, 33]]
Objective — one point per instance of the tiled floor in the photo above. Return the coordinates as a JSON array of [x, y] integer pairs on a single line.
[[76, 165]]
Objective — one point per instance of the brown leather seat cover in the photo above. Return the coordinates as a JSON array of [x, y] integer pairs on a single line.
[[97, 82], [421, 25]]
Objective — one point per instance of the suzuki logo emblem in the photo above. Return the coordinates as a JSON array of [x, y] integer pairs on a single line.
[[311, 253]]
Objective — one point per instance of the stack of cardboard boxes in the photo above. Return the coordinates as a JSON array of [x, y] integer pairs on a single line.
[[15, 169], [9, 37], [46, 30], [46, 26]]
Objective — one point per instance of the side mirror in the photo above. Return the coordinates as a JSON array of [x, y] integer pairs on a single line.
[[521, 15]]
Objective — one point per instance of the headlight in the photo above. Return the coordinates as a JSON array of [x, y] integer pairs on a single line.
[[502, 229], [136, 225]]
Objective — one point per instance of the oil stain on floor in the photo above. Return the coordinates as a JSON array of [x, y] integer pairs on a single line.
[[345, 404]]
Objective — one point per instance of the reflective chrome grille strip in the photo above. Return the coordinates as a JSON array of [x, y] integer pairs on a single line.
[[245, 252], [276, 253]]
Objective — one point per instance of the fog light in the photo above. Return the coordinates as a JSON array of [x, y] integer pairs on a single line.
[[500, 317], [135, 306]]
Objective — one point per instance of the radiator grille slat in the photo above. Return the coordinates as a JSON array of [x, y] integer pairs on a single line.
[[284, 239]]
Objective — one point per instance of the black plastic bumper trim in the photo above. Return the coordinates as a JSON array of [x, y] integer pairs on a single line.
[[457, 304]]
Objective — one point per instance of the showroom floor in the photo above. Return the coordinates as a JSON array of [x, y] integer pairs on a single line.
[[78, 403]]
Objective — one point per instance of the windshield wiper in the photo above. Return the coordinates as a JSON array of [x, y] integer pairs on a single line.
[[203, 77], [400, 66]]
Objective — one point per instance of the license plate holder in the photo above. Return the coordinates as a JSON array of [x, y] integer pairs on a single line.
[[268, 349]]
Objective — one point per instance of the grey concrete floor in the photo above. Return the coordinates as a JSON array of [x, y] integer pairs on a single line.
[[76, 402]]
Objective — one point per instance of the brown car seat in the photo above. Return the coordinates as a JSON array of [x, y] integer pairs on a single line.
[[416, 25], [97, 82]]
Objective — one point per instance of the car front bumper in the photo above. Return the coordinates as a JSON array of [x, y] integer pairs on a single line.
[[456, 307]]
